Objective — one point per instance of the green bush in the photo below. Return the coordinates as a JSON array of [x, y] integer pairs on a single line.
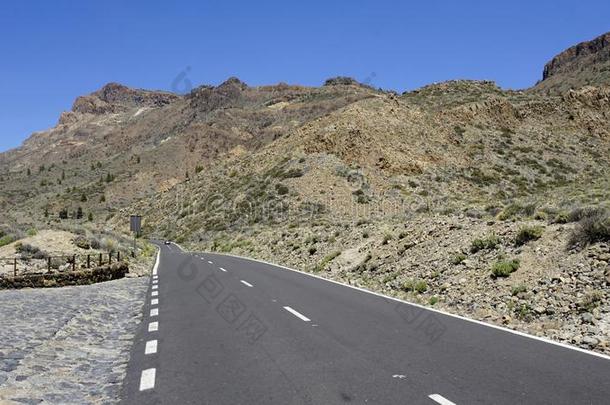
[[489, 242], [32, 232], [591, 229], [580, 213], [419, 286], [281, 189], [518, 289], [326, 260], [591, 300], [5, 240], [528, 233], [458, 259], [504, 268], [561, 217]]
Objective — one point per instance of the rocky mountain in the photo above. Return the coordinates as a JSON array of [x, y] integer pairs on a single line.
[[486, 202], [587, 63], [118, 145]]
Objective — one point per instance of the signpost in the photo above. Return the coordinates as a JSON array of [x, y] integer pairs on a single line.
[[135, 224]]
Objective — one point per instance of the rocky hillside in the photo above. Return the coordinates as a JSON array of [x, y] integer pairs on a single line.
[[118, 145], [485, 202], [587, 63]]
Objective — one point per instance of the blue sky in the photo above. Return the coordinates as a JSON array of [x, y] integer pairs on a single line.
[[53, 51]]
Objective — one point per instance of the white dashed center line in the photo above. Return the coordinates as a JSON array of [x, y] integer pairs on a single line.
[[154, 312], [154, 301], [297, 314], [221, 269], [155, 287], [153, 326], [151, 347], [440, 399], [210, 262], [147, 381], [154, 293], [246, 283]]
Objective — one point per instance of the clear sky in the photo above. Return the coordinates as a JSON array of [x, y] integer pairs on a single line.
[[53, 51]]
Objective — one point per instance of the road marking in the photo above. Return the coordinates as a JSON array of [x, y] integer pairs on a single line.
[[151, 347], [438, 311], [210, 262], [147, 381], [440, 399], [153, 326], [155, 281], [298, 315], [154, 293], [155, 277], [154, 301], [399, 376], [156, 267], [154, 312], [246, 283], [155, 287], [221, 269]]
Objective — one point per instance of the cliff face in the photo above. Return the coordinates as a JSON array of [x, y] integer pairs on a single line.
[[114, 97], [587, 63]]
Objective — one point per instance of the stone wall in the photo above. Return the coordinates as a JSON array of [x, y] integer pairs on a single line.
[[79, 277]]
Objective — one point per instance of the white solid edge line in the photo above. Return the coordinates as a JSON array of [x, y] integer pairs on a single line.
[[153, 326], [151, 347], [154, 301], [244, 282], [438, 311], [178, 246], [210, 262], [147, 380], [154, 293], [297, 314], [155, 287], [221, 269], [156, 267], [440, 399], [154, 312]]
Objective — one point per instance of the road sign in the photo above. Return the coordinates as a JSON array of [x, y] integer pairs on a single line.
[[136, 224]]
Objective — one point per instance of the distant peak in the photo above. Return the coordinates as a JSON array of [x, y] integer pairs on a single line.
[[115, 97], [574, 53], [341, 81], [234, 82]]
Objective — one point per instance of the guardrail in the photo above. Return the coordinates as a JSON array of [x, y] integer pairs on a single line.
[[25, 265]]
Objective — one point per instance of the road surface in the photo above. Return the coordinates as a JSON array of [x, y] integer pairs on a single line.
[[224, 330]]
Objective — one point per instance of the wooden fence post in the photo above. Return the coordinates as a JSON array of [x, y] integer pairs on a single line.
[[110, 258], [74, 263], [118, 256], [15, 267], [100, 260], [49, 264], [88, 261]]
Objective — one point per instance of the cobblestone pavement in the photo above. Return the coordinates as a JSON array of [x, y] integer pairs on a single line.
[[68, 345]]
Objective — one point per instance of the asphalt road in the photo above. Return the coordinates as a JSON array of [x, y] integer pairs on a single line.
[[226, 330]]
